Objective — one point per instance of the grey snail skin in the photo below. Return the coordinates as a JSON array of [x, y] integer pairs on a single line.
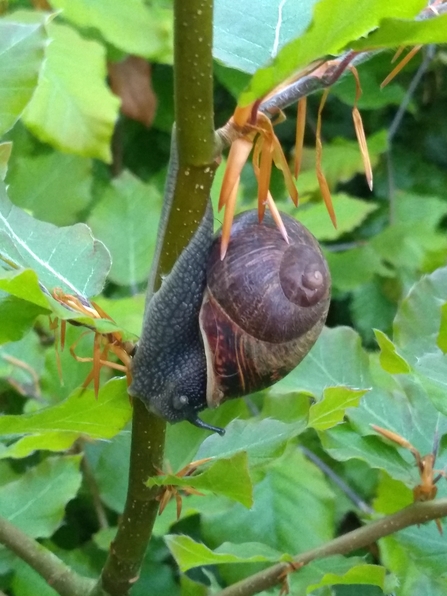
[[221, 329]]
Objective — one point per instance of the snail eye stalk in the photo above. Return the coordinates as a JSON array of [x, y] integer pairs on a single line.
[[194, 419]]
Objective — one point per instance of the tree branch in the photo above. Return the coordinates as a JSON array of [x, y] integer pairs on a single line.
[[134, 531], [417, 513], [325, 74], [194, 115], [193, 178], [57, 574]]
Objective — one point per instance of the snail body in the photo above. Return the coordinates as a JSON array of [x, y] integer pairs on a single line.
[[220, 329]]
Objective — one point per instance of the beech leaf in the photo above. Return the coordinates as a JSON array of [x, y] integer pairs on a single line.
[[68, 258]]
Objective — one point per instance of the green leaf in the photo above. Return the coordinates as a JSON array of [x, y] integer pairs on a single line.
[[398, 32], [192, 588], [418, 320], [126, 220], [68, 258], [104, 537], [25, 285], [288, 407], [248, 34], [292, 485], [330, 410], [127, 312], [405, 245], [148, 29], [337, 358], [184, 440], [27, 582], [228, 477], [17, 317], [22, 52], [365, 574], [78, 415], [72, 107], [5, 154], [392, 495], [262, 440], [342, 443], [390, 360], [350, 214], [189, 554], [412, 208], [371, 307], [48, 441], [442, 337], [333, 27], [35, 503], [53, 187], [21, 364], [354, 267], [416, 332], [414, 555], [109, 462], [336, 570]]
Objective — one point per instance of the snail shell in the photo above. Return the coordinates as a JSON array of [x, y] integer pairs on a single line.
[[264, 305], [216, 329]]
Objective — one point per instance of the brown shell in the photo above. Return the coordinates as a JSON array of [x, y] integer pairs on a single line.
[[264, 306]]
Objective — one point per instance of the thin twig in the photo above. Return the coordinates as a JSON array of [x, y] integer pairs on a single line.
[[325, 75], [349, 492], [415, 514], [58, 575], [90, 481], [397, 120]]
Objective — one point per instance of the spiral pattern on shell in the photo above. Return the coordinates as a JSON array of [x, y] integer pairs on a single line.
[[264, 306]]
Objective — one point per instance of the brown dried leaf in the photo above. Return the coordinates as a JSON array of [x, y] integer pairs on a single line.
[[361, 138], [360, 131], [277, 217], [238, 155], [228, 220], [400, 66], [264, 175], [131, 81], [392, 436], [324, 187], [299, 137], [41, 5]]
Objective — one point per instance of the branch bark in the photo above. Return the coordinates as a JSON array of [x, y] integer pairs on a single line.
[[58, 575], [417, 513], [193, 21], [325, 74]]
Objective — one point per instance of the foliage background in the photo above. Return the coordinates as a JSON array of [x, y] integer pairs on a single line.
[[76, 158]]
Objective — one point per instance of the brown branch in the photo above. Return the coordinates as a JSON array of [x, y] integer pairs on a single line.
[[92, 485], [324, 75], [418, 513], [189, 192], [57, 574], [129, 547]]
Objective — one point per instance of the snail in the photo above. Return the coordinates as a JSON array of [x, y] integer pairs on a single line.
[[220, 329]]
